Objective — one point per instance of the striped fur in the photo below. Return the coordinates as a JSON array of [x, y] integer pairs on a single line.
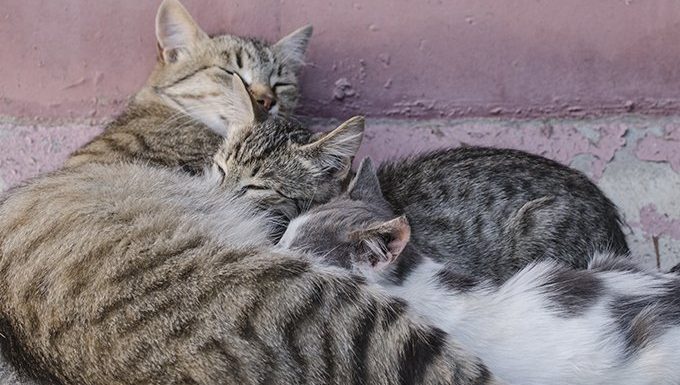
[[130, 274], [458, 199], [613, 324], [281, 166], [178, 118]]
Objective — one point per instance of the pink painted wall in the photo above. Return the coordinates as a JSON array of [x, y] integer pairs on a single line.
[[402, 58]]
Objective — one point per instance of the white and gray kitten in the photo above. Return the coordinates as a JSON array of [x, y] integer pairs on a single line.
[[549, 324]]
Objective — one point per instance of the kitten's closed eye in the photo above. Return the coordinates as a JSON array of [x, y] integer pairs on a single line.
[[251, 187], [282, 85], [226, 70], [273, 197]]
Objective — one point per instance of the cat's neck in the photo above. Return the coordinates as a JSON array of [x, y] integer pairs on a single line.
[[144, 131], [148, 97], [409, 259], [450, 278], [443, 299]]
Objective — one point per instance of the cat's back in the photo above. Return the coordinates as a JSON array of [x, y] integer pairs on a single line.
[[95, 202], [475, 169], [132, 274], [99, 259], [459, 199], [152, 133]]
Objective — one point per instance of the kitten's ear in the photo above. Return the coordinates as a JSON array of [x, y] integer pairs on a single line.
[[176, 31], [335, 150], [387, 239], [294, 46], [365, 186], [242, 109]]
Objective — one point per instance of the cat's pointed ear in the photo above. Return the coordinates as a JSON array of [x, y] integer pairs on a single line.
[[365, 185], [242, 109], [293, 46], [387, 240], [176, 31], [241, 112], [334, 151]]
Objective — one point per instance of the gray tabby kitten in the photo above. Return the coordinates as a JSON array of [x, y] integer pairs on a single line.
[[131, 274], [612, 324], [457, 201], [181, 114], [281, 166]]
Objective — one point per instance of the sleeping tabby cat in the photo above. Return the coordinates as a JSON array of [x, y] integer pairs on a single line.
[[181, 114], [613, 324], [132, 274]]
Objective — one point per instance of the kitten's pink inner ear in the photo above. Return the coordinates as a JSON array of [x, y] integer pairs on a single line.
[[175, 28], [400, 233]]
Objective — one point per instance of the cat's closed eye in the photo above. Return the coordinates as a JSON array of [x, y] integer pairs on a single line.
[[282, 85], [251, 187], [226, 70]]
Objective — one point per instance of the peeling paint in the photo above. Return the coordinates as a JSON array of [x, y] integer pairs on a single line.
[[655, 224], [343, 89], [560, 141], [661, 149]]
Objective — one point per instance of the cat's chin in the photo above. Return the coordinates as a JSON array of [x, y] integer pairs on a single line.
[[274, 111], [215, 124]]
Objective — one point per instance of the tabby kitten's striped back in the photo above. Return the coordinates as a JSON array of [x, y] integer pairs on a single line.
[[129, 274], [179, 117]]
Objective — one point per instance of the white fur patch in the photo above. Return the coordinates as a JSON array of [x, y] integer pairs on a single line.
[[292, 230], [524, 341]]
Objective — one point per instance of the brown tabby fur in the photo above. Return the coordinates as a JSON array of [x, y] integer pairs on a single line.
[[130, 274]]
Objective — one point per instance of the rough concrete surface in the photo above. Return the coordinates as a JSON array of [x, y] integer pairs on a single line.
[[632, 158]]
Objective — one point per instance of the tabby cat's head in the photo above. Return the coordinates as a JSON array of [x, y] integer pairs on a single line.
[[280, 165], [193, 69]]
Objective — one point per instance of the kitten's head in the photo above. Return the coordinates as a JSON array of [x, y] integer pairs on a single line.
[[357, 227], [280, 165], [194, 70]]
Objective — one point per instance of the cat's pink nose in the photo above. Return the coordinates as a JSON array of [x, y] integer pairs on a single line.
[[266, 102], [263, 95]]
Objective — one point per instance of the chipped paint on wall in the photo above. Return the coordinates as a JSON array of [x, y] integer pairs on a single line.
[[561, 140], [663, 148], [656, 224]]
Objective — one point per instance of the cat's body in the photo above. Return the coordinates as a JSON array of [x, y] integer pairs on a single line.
[[457, 201], [130, 274], [180, 116], [153, 133], [550, 324], [613, 324]]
